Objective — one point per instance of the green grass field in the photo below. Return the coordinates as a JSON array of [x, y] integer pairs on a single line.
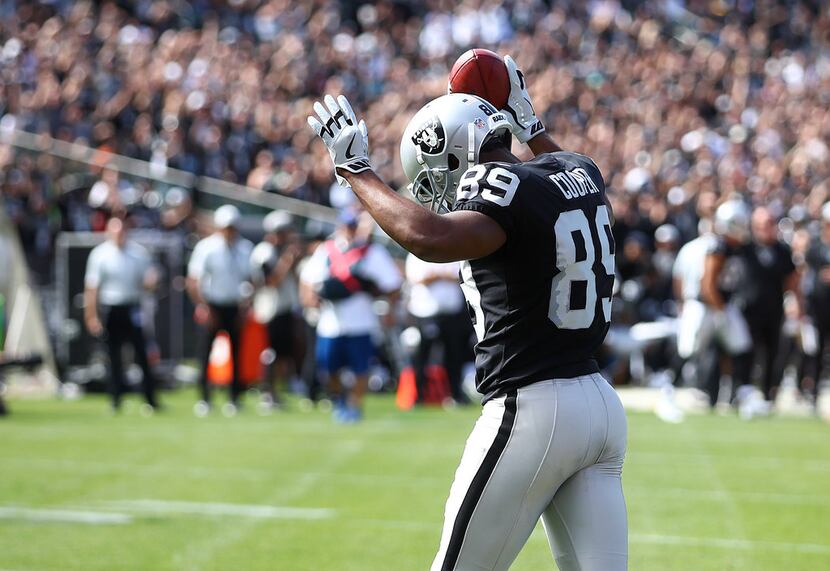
[[294, 491]]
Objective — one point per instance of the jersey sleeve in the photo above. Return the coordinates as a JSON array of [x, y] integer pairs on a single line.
[[196, 265], [717, 247], [491, 190], [92, 277], [315, 270]]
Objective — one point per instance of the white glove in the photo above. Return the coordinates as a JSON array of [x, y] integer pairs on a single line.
[[519, 110], [346, 139]]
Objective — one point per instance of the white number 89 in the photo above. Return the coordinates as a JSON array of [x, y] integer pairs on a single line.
[[499, 186]]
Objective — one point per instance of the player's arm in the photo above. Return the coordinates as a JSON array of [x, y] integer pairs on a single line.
[[92, 281], [792, 284], [456, 236], [91, 319], [712, 267], [432, 237], [524, 123], [284, 266]]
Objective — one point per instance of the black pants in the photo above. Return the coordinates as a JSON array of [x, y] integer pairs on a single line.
[[122, 323], [222, 318], [765, 329], [452, 331]]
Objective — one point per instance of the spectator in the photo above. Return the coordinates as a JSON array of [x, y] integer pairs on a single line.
[[342, 277], [218, 277]]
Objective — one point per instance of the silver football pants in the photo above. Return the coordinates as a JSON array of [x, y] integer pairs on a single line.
[[552, 450]]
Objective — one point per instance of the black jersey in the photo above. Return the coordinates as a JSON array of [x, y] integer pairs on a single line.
[[818, 290], [769, 266], [734, 276], [540, 304]]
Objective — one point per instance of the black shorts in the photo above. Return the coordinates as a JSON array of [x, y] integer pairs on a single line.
[[281, 334]]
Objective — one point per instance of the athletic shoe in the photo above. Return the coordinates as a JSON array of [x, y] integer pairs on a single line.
[[348, 415], [201, 409], [229, 409], [668, 411]]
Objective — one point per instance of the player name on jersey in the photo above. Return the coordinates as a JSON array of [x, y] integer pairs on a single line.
[[574, 184]]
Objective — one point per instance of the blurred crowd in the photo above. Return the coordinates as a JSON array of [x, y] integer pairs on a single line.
[[683, 105], [671, 98]]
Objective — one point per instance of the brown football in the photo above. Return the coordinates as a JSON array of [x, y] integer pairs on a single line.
[[483, 73]]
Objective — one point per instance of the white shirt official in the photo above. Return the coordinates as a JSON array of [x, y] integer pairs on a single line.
[[443, 296], [353, 315], [221, 269], [117, 273]]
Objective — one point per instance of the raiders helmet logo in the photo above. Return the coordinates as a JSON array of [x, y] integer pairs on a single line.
[[430, 137]]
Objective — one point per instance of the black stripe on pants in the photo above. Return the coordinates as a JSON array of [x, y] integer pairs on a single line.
[[479, 482], [222, 318]]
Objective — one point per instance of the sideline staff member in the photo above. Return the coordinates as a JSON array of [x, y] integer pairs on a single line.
[[116, 273], [438, 305], [217, 276], [273, 267]]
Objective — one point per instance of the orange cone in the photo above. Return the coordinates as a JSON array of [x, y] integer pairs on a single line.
[[253, 341], [407, 391], [220, 364]]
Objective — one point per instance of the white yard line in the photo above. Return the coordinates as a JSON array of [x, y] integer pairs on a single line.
[[63, 516], [255, 511], [734, 519], [195, 554], [729, 543], [720, 495], [747, 461]]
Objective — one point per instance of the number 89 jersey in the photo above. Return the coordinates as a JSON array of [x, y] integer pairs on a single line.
[[541, 304]]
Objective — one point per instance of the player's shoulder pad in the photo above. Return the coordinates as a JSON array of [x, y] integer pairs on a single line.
[[717, 246], [492, 182], [570, 157]]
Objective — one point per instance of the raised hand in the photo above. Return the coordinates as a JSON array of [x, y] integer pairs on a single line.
[[519, 110], [346, 139]]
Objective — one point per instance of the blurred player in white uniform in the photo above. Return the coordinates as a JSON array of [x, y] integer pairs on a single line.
[[720, 319]]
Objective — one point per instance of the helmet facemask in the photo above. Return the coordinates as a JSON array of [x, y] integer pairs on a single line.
[[431, 189]]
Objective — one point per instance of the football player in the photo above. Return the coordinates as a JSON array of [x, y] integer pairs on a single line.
[[724, 279], [537, 254]]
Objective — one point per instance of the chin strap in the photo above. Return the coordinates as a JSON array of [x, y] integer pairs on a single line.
[[471, 144], [419, 155]]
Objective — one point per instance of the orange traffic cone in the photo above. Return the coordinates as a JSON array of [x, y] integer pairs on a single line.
[[407, 391], [220, 364], [254, 340]]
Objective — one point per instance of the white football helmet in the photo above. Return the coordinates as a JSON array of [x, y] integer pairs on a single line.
[[732, 220], [443, 140]]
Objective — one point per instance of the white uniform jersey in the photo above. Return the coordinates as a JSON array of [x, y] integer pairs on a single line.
[[699, 325], [688, 266], [117, 273], [221, 269], [440, 297]]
